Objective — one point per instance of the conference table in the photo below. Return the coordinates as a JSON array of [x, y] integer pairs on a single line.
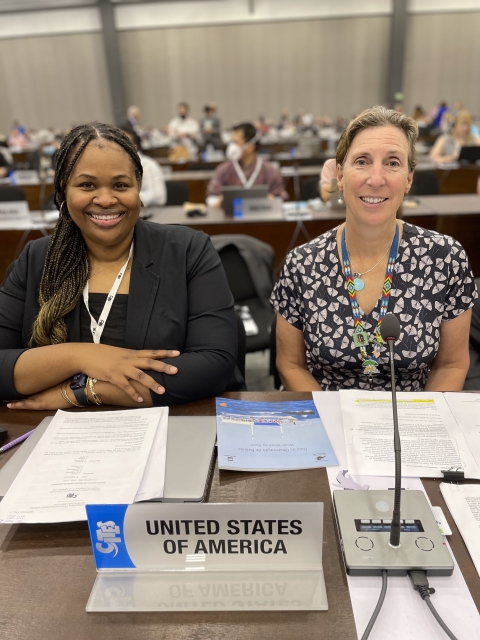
[[47, 570]]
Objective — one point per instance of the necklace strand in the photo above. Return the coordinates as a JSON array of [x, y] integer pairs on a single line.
[[357, 274], [109, 266]]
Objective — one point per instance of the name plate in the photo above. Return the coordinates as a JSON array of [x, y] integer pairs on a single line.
[[265, 207], [25, 177], [13, 213], [154, 556], [154, 536]]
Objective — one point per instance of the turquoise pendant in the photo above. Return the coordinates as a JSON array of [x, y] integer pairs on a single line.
[[359, 284]]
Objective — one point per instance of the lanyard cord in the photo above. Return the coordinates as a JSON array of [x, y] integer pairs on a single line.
[[97, 327], [359, 336], [241, 175]]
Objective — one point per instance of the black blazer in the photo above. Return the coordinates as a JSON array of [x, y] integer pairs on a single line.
[[178, 299]]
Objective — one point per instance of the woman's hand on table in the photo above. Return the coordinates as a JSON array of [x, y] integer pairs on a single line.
[[119, 366]]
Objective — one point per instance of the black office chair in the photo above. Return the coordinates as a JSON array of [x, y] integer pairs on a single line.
[[425, 183], [277, 383], [242, 345], [309, 189], [12, 193], [177, 193], [472, 381], [244, 293]]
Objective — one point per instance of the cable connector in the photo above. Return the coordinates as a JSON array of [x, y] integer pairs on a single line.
[[420, 583]]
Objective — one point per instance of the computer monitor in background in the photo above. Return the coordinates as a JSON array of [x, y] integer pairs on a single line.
[[232, 193]]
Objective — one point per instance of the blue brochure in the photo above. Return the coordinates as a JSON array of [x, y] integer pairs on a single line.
[[271, 436]]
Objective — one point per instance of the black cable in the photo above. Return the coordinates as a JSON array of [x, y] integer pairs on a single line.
[[374, 617], [420, 583]]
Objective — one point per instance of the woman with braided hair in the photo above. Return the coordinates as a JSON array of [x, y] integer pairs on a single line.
[[112, 309]]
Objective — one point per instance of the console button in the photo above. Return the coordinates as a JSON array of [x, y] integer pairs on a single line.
[[364, 543], [424, 543]]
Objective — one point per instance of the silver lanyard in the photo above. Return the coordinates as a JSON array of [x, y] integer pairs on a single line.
[[239, 171], [97, 327]]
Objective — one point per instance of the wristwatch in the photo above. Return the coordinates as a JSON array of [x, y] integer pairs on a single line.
[[77, 385]]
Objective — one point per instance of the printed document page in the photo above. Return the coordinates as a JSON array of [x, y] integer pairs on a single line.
[[153, 481], [466, 411], [463, 501], [269, 436], [82, 458], [431, 438]]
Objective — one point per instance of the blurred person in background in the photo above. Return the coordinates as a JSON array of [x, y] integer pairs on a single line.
[[439, 115], [133, 116], [328, 173], [420, 116], [42, 160], [18, 138], [210, 126], [244, 167], [6, 159], [153, 191], [447, 147], [183, 130]]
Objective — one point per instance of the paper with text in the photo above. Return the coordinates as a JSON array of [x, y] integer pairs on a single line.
[[463, 501], [466, 411], [83, 458], [430, 437]]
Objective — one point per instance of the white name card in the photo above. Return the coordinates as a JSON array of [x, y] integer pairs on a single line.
[[13, 214], [25, 177], [265, 207], [154, 556], [153, 536]]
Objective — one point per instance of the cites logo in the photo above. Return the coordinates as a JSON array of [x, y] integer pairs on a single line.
[[107, 537]]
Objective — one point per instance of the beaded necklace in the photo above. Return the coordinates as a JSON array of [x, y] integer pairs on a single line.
[[360, 337]]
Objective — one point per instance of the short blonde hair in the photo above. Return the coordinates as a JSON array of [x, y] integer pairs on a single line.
[[379, 117]]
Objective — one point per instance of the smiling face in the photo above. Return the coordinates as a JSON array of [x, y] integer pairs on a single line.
[[102, 194], [375, 176]]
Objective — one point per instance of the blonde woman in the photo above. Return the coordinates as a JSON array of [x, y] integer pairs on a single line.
[[447, 147]]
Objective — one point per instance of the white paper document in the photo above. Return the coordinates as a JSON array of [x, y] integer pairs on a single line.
[[463, 501], [466, 411], [431, 439], [88, 458], [404, 615]]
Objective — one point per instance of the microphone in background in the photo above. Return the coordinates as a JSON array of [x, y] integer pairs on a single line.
[[390, 332]]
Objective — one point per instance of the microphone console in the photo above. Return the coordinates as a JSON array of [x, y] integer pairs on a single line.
[[390, 530], [364, 519]]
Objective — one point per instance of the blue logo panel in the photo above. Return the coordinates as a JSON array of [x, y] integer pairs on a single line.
[[106, 524]]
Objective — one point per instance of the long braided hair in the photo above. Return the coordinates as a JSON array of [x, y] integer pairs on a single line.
[[66, 270]]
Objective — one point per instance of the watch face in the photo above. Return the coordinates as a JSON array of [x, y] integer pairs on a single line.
[[79, 381]]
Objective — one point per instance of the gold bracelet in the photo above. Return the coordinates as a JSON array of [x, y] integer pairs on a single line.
[[95, 396], [63, 391]]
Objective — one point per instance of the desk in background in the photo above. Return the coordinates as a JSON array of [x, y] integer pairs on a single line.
[[457, 216], [48, 570]]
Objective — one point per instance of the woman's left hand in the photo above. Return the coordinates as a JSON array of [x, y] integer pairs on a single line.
[[44, 400]]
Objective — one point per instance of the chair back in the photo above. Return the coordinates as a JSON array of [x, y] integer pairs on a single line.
[[12, 193], [238, 276], [425, 183], [177, 193]]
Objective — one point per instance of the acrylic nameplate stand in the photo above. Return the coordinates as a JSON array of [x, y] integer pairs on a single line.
[[207, 557]]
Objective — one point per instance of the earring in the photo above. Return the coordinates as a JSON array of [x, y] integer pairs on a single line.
[[66, 214]]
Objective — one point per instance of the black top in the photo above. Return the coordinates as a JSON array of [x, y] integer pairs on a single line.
[[114, 330], [432, 283], [178, 299]]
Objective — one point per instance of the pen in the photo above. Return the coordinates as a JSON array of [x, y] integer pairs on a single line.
[[16, 441]]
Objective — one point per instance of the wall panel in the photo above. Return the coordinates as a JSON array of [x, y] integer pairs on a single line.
[[335, 66], [443, 60], [55, 81]]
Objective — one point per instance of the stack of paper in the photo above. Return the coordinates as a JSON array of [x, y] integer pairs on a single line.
[[114, 457], [432, 438], [271, 436]]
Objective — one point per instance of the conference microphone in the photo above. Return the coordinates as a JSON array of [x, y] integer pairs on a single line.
[[390, 332], [369, 523]]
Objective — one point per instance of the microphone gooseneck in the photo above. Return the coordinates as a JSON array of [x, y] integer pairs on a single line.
[[390, 332]]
